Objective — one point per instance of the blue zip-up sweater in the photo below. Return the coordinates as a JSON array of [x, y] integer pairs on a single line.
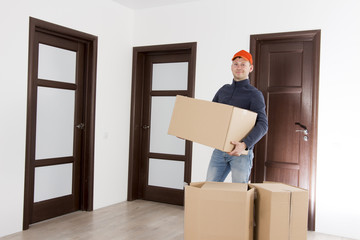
[[243, 95]]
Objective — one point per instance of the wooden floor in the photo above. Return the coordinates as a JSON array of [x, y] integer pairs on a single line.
[[137, 220]]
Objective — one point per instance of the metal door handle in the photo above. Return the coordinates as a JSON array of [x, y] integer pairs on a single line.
[[146, 127], [304, 130], [80, 126]]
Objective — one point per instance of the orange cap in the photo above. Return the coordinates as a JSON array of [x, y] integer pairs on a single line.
[[243, 54]]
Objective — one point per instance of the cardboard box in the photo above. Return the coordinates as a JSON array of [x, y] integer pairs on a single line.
[[281, 212], [209, 123], [218, 211]]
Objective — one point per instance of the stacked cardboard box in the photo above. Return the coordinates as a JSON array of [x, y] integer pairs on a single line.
[[224, 211]]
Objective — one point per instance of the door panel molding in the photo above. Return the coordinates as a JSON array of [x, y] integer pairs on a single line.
[[140, 54], [88, 47], [311, 40]]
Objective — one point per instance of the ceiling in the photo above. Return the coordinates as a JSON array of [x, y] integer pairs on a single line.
[[141, 4]]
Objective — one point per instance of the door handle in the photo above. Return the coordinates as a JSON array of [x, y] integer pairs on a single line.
[[146, 127], [80, 126], [303, 130]]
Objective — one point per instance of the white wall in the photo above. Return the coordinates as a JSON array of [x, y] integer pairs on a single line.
[[220, 28], [223, 27], [113, 24]]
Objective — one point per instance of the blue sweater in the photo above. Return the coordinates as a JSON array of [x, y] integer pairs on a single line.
[[243, 95]]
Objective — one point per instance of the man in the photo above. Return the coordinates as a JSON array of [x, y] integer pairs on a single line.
[[243, 95]]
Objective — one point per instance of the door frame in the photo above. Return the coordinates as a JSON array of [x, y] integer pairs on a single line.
[[139, 56], [87, 162], [314, 37]]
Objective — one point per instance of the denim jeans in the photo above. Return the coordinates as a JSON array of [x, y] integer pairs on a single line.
[[221, 163]]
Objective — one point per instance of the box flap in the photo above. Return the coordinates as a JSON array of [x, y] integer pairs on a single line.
[[277, 187], [197, 184], [242, 187]]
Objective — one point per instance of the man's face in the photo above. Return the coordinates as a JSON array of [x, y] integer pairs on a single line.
[[241, 69]]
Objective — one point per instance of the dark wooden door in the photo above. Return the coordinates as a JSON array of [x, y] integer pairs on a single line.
[[160, 164], [60, 126], [287, 74]]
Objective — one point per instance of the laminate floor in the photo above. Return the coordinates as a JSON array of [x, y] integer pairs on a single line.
[[137, 220]]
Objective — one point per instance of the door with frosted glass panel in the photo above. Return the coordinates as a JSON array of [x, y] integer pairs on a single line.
[[164, 157], [55, 158]]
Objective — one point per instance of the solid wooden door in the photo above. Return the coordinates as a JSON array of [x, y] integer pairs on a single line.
[[286, 73]]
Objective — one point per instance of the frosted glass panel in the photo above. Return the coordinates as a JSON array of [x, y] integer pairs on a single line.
[[54, 123], [160, 141], [166, 173], [56, 64], [170, 76], [53, 181]]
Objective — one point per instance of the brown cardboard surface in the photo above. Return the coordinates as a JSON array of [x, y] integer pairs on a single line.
[[280, 212], [209, 123], [240, 187], [216, 211]]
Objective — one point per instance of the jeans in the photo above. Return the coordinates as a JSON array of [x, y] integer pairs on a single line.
[[221, 163]]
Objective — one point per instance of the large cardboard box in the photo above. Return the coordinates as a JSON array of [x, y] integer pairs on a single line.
[[281, 212], [209, 123], [218, 211]]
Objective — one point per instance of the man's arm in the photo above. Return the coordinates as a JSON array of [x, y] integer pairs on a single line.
[[261, 125]]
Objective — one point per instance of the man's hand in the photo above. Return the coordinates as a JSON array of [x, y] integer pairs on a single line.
[[239, 148]]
